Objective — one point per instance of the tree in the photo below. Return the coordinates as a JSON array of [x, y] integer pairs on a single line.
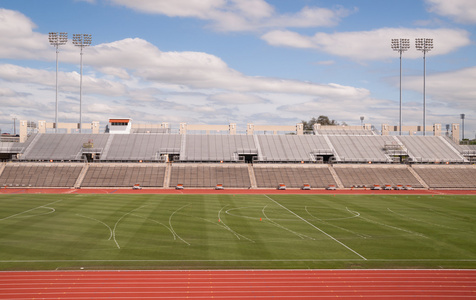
[[323, 120]]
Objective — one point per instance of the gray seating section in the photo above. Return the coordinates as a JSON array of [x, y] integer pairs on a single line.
[[293, 176], [346, 132], [226, 148], [50, 146], [147, 146], [368, 175], [293, 148], [40, 175], [209, 175], [361, 148], [430, 149], [124, 175], [448, 176]]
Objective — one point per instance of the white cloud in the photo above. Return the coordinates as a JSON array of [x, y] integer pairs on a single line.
[[17, 37], [455, 87], [238, 15], [370, 45], [463, 11], [236, 98], [67, 81]]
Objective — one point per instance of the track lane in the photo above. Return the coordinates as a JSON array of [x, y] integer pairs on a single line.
[[239, 284]]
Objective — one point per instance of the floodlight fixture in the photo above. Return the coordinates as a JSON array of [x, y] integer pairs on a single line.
[[57, 39], [81, 40], [400, 45], [425, 45]]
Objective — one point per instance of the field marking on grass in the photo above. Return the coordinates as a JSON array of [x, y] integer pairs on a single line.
[[152, 220], [91, 218], [386, 225], [227, 227], [240, 216], [243, 260], [122, 217], [410, 218], [23, 212], [364, 236], [314, 226], [172, 228], [302, 236]]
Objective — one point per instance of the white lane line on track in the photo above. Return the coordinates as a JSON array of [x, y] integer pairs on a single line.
[[315, 227]]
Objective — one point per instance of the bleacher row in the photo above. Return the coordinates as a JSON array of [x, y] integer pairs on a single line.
[[203, 175], [229, 148]]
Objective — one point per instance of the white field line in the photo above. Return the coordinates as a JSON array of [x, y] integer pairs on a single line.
[[172, 228], [413, 219], [152, 220], [242, 260], [314, 226], [386, 225], [110, 229], [362, 235], [23, 212], [223, 225], [302, 236], [122, 217]]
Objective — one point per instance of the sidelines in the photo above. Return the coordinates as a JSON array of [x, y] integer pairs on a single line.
[[241, 260], [314, 226]]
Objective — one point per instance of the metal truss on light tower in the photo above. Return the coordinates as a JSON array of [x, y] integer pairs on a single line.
[[57, 39], [81, 40], [400, 45], [424, 45]]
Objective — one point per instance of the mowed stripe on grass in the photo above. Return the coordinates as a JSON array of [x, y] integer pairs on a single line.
[[236, 231]]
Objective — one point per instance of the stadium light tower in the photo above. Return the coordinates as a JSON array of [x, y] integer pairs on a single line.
[[400, 45], [81, 40], [424, 45], [462, 121], [57, 39]]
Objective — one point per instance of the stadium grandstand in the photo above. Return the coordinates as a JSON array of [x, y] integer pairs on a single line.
[[207, 156]]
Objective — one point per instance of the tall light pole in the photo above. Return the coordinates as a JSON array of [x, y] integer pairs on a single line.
[[81, 40], [462, 127], [424, 45], [400, 45], [57, 39]]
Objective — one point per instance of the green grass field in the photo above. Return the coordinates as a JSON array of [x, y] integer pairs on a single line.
[[236, 231]]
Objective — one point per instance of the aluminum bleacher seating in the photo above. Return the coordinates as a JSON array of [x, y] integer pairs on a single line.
[[40, 175], [205, 175], [369, 174], [293, 176], [430, 149], [448, 176], [124, 175], [292, 148]]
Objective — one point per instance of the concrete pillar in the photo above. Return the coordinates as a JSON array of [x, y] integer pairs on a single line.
[[250, 128], [23, 130], [299, 129], [385, 129], [455, 132], [232, 129], [41, 126], [95, 127], [183, 128], [437, 129]]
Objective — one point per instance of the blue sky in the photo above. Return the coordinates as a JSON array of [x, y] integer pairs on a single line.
[[239, 61]]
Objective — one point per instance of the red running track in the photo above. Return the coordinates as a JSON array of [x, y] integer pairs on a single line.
[[240, 284]]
